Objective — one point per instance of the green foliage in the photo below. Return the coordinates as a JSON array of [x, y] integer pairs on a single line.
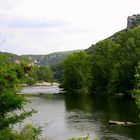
[[11, 76], [136, 91], [6, 134], [38, 74], [58, 70], [30, 133], [114, 62], [110, 68], [101, 65], [44, 74], [76, 72], [80, 138]]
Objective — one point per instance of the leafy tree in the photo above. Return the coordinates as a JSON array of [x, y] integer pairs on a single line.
[[44, 74], [32, 78], [114, 61], [127, 57], [136, 91], [76, 71], [101, 63], [38, 74], [110, 68], [58, 70], [10, 77]]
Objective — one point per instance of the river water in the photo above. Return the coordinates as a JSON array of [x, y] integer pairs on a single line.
[[67, 115]]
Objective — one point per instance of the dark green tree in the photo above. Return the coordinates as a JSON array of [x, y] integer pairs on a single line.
[[44, 74], [114, 61], [39, 74], [10, 77], [101, 63], [125, 61], [76, 72], [58, 70], [136, 91]]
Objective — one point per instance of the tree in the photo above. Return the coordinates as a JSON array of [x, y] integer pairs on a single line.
[[114, 61], [10, 76], [76, 72], [128, 55], [136, 91], [39, 74], [101, 62], [58, 70], [44, 74]]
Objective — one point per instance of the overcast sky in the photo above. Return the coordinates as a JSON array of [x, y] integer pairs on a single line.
[[46, 26]]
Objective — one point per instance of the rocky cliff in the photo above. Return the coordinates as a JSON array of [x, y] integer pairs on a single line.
[[133, 21]]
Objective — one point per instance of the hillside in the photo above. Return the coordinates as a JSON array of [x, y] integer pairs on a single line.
[[41, 60], [50, 59], [111, 66], [12, 57], [132, 21]]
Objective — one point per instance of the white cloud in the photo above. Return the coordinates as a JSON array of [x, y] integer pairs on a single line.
[[44, 26], [7, 5]]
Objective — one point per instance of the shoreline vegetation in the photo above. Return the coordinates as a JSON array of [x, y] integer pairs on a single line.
[[111, 66], [12, 109]]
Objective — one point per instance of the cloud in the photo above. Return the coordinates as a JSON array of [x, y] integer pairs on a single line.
[[2, 40], [45, 26], [7, 5], [34, 23], [75, 29]]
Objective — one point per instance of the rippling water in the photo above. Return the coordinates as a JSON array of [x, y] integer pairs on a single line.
[[71, 115]]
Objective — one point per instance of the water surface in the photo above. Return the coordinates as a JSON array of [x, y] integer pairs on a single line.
[[71, 115]]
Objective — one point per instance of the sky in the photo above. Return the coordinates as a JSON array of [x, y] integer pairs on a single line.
[[46, 26]]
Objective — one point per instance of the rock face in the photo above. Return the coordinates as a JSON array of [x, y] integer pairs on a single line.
[[133, 21]]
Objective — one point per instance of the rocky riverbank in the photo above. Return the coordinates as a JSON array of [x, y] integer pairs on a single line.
[[41, 84]]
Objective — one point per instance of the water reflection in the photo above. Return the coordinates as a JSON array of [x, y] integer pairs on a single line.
[[73, 115], [92, 113]]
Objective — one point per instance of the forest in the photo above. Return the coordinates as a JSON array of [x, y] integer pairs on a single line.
[[110, 67]]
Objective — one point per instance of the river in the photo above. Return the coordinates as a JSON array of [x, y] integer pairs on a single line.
[[68, 115]]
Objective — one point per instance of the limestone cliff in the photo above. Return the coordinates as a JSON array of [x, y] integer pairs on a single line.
[[133, 21]]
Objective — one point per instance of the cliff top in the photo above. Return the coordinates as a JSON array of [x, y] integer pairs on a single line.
[[133, 21]]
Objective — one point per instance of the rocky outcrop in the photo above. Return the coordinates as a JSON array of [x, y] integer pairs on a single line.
[[133, 21]]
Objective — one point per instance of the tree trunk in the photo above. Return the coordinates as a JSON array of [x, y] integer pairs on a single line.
[[111, 122]]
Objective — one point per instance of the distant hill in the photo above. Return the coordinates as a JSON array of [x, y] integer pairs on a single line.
[[12, 57], [41, 60], [49, 59]]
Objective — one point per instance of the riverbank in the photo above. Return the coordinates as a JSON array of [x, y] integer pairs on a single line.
[[41, 84], [41, 89]]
